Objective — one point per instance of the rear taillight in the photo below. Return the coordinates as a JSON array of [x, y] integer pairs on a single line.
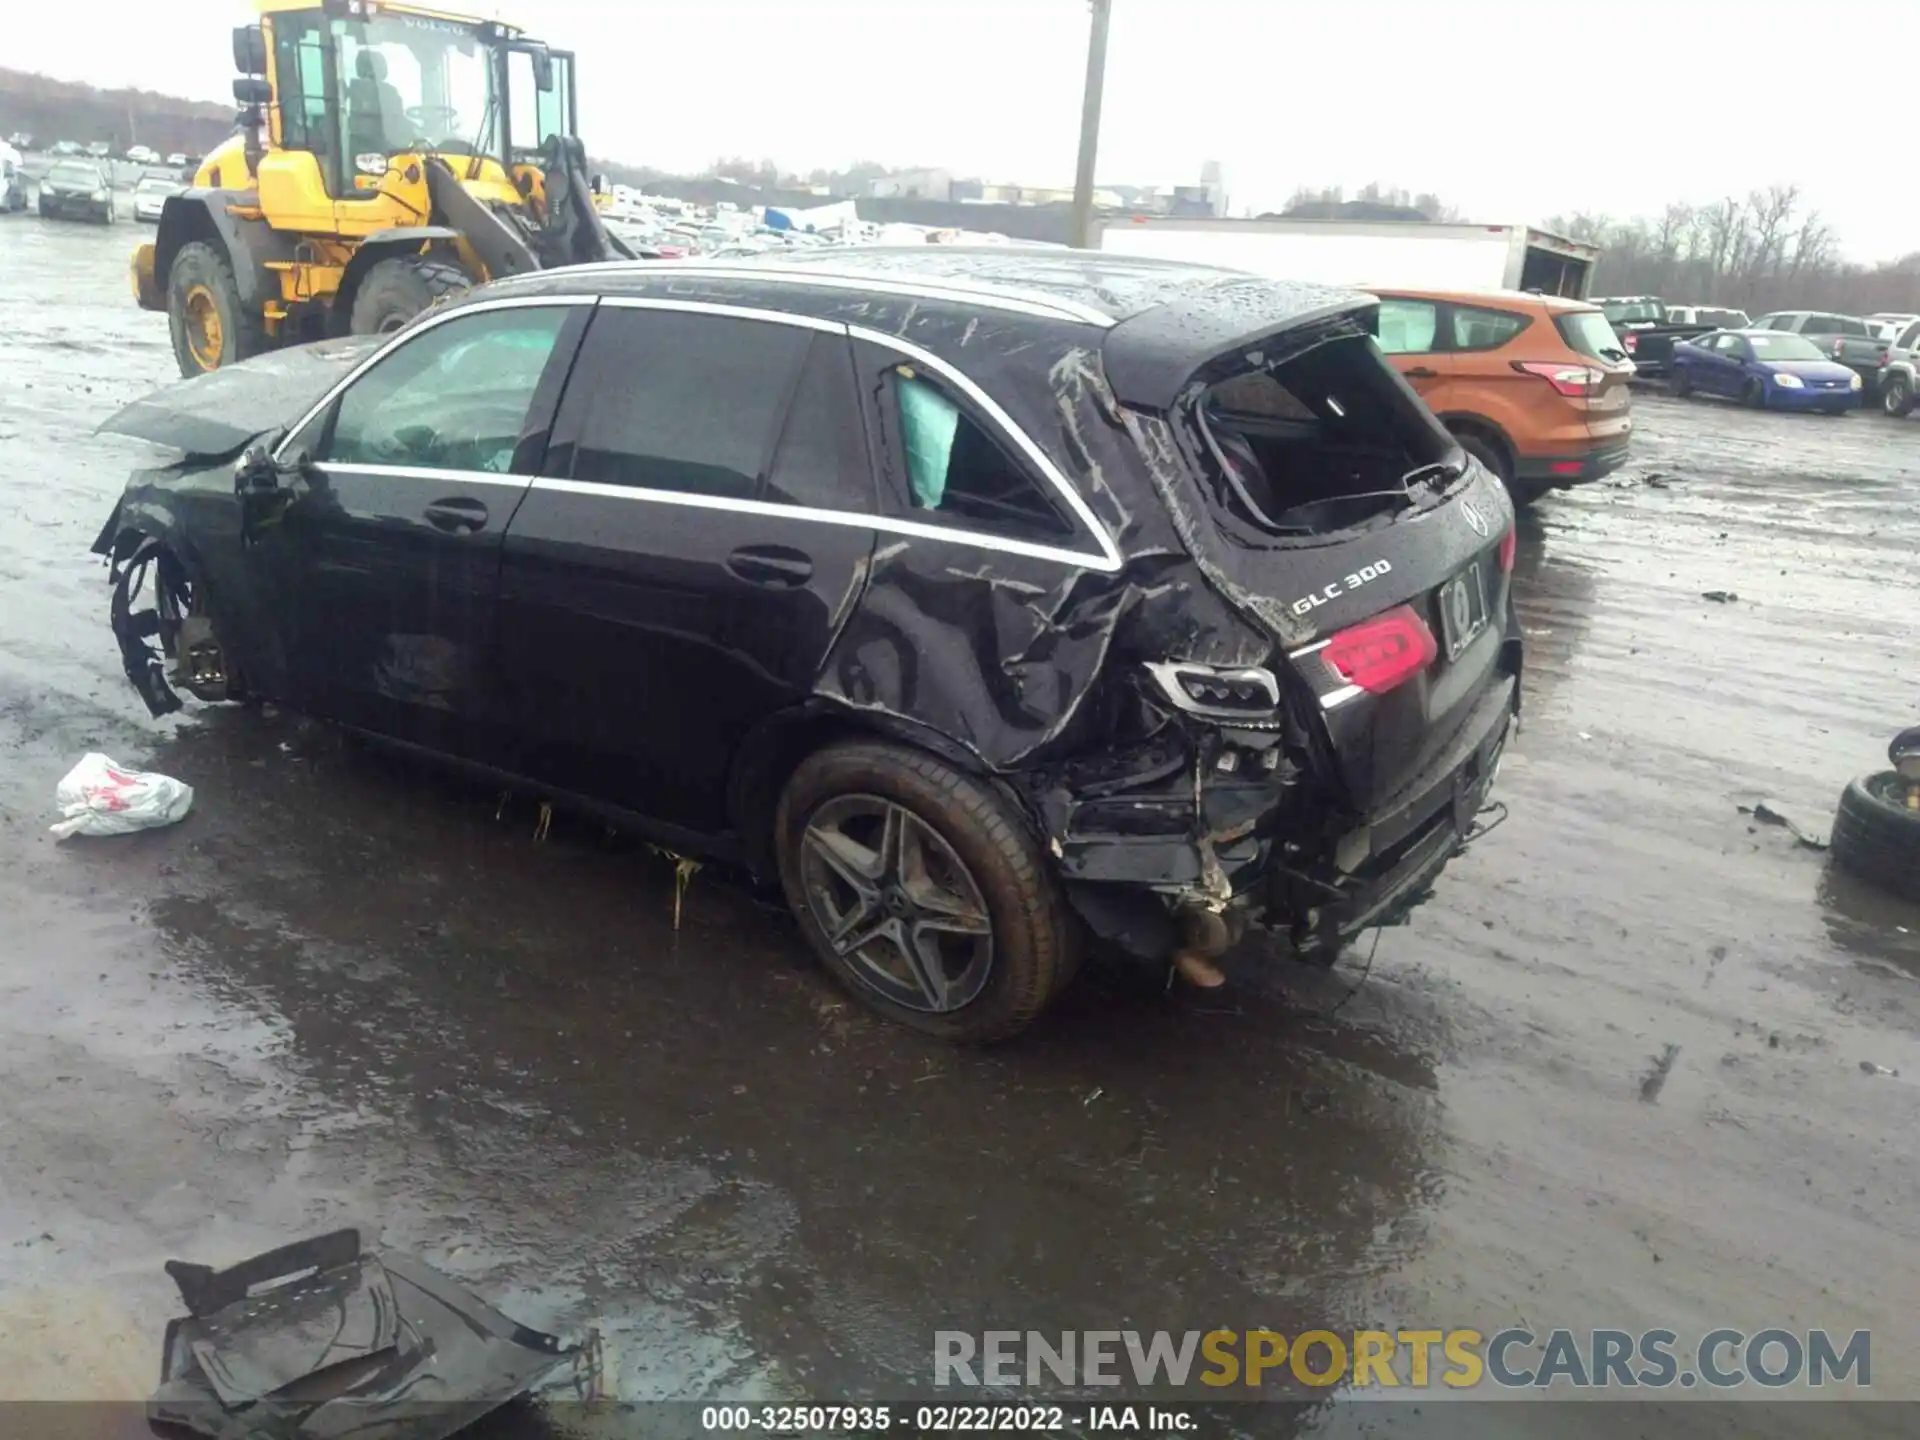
[[1509, 542], [1380, 653], [1631, 341], [1575, 381], [1839, 347]]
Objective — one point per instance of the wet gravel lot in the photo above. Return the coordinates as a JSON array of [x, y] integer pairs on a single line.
[[1612, 1074]]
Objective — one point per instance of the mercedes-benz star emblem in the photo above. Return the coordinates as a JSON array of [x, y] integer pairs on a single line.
[[1475, 519]]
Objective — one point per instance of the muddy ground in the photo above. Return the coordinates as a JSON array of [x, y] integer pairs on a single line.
[[347, 991]]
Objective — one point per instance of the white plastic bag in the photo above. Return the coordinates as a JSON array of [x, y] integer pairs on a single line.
[[100, 797]]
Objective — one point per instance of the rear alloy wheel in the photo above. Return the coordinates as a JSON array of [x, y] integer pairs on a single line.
[[1896, 396], [1876, 836], [394, 291], [920, 892], [1682, 382]]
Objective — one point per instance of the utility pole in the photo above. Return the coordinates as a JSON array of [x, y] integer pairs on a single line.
[[1090, 123]]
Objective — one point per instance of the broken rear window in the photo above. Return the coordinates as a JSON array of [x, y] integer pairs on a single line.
[[1322, 440]]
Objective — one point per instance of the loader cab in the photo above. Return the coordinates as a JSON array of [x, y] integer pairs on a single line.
[[357, 84]]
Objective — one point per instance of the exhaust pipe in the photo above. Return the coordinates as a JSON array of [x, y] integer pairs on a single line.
[[1204, 936]]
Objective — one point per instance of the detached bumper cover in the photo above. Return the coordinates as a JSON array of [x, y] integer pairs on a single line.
[[319, 1339]]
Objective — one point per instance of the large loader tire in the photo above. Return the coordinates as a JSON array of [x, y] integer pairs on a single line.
[[211, 326], [397, 290]]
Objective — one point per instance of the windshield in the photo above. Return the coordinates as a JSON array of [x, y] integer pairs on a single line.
[[1587, 332], [75, 175], [155, 186], [1772, 346], [412, 83], [1633, 311]]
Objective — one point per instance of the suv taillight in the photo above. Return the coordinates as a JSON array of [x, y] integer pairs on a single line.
[[1380, 653], [1839, 346], [1576, 381], [1631, 341]]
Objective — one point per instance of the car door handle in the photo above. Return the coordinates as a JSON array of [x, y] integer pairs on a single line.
[[1420, 372], [458, 516], [775, 566]]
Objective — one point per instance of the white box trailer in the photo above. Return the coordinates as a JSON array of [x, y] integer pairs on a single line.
[[1364, 254]]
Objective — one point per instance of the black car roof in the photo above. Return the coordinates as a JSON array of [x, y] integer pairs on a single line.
[[1156, 321]]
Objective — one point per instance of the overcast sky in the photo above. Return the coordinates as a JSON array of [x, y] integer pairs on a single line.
[[1512, 110]]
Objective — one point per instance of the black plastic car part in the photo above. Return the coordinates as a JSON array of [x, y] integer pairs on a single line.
[[322, 1338]]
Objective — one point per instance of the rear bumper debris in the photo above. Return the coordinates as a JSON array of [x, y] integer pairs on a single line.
[[320, 1338]]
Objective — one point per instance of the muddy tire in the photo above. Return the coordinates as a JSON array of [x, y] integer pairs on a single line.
[[210, 325], [1896, 396], [1494, 457], [1875, 835], [1682, 383], [1754, 395], [969, 936], [394, 291]]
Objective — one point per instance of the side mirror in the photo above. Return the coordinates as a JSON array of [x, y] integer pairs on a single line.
[[251, 91], [249, 50], [255, 472], [542, 71]]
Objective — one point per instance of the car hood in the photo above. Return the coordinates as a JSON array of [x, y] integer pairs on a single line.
[[218, 414]]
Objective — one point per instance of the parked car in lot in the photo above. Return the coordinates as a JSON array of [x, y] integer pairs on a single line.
[[1535, 387], [20, 140], [143, 155], [988, 599], [177, 158], [1766, 369], [150, 196], [1645, 331], [1889, 325], [1846, 338], [1898, 384], [76, 190], [100, 150], [1712, 316], [63, 148]]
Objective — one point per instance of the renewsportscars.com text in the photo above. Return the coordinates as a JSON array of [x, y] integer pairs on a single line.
[[1404, 1359]]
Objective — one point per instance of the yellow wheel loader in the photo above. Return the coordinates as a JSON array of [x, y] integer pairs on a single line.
[[388, 155]]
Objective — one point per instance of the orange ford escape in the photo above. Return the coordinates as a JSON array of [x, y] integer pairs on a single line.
[[1534, 386]]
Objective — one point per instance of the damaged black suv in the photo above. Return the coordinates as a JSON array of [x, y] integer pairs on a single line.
[[998, 602]]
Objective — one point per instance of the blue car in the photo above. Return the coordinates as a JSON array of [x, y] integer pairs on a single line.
[[1767, 369]]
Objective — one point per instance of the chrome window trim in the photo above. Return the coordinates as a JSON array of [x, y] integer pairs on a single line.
[[423, 472], [1109, 558], [427, 321], [1107, 561], [1009, 298], [773, 509]]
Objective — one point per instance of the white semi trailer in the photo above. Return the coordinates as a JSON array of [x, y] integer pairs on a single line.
[[1388, 254]]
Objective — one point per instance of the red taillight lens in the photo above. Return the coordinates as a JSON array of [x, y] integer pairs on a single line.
[[1509, 542], [1631, 341], [1574, 381], [1839, 348], [1378, 654]]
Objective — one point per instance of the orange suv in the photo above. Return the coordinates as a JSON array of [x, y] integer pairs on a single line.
[[1534, 386]]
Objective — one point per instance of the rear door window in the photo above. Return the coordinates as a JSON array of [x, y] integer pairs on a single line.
[[678, 401], [1477, 329], [1909, 337], [455, 397], [958, 472], [1407, 327]]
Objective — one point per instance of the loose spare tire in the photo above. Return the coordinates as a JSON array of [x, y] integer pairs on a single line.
[[1876, 835]]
